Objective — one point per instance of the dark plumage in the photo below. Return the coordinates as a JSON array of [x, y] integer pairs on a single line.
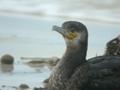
[[113, 47], [74, 72]]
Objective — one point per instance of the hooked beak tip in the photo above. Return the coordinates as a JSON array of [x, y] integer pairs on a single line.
[[55, 28], [58, 29]]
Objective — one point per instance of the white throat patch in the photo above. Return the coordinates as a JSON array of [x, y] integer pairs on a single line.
[[73, 42]]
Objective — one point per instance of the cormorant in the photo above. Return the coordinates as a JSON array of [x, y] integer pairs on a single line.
[[74, 72], [113, 47]]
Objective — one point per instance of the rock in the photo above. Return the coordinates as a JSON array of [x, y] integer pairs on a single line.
[[3, 86], [7, 59], [45, 82], [23, 87], [40, 88], [43, 61]]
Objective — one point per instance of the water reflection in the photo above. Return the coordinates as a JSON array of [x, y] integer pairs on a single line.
[[6, 68]]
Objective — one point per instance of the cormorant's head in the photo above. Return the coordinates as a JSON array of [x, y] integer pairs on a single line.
[[114, 42], [113, 47], [73, 32]]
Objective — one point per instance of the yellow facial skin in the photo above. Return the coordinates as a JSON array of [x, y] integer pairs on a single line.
[[71, 35]]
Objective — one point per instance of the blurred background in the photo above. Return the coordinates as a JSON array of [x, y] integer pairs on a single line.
[[99, 10], [25, 25], [26, 31]]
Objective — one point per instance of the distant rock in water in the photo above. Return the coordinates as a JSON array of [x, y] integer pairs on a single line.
[[23, 87], [7, 59], [40, 88], [113, 47], [42, 61]]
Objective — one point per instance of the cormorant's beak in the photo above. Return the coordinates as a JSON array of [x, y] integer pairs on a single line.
[[59, 30]]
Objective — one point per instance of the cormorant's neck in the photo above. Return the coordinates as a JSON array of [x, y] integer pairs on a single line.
[[76, 50], [76, 53], [73, 57]]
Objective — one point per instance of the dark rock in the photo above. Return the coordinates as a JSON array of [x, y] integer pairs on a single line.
[[3, 86], [23, 86], [40, 88], [46, 82], [43, 61], [7, 59]]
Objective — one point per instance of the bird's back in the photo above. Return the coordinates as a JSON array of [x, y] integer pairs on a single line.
[[99, 73]]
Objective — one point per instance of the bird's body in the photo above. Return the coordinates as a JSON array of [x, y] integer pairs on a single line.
[[74, 72], [100, 73]]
